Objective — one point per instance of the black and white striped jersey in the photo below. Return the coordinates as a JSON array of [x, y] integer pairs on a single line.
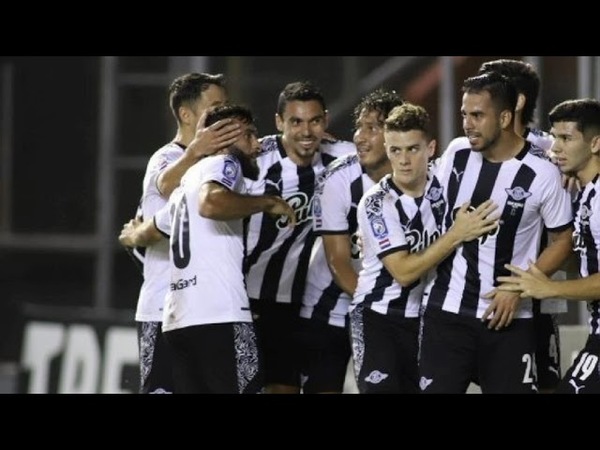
[[586, 241], [334, 212], [541, 145], [156, 256], [529, 195], [390, 221], [276, 256]]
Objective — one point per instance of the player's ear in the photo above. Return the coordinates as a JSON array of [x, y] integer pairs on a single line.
[[279, 123]]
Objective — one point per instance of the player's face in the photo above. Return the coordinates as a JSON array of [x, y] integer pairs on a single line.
[[570, 151], [246, 149], [409, 153], [302, 125], [368, 139], [211, 97], [481, 121]]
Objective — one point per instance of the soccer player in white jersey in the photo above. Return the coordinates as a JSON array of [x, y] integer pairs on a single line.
[[207, 321], [527, 82], [277, 257], [335, 261], [470, 329], [576, 128], [189, 97], [400, 220]]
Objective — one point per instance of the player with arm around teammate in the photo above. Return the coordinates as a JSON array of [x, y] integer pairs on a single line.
[[400, 223]]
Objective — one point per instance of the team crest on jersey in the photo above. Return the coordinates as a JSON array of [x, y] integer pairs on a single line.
[[230, 170], [434, 194], [518, 193], [378, 226], [586, 213]]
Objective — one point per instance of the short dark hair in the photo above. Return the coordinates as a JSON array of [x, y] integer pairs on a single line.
[[502, 92], [523, 76], [584, 112], [239, 112], [380, 101], [188, 88], [303, 91], [407, 117]]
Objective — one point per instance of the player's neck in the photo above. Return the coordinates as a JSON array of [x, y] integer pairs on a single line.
[[414, 190], [589, 172], [507, 147], [379, 172], [519, 127], [184, 136]]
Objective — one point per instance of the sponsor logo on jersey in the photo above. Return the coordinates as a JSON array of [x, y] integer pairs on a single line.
[[183, 283]]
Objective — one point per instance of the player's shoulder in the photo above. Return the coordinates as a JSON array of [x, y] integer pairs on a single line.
[[336, 147], [165, 155], [269, 144], [341, 164], [540, 138], [456, 144]]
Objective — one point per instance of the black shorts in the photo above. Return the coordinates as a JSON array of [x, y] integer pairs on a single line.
[[547, 350], [583, 377], [276, 327], [457, 349], [156, 368], [324, 354], [217, 358], [385, 350]]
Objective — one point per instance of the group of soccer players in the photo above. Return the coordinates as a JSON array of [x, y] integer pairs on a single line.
[[277, 260]]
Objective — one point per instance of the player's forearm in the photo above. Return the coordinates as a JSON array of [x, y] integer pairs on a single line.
[[223, 204], [170, 178], [582, 289], [556, 254], [344, 275], [412, 267]]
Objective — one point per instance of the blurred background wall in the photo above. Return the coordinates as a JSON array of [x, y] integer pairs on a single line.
[[76, 134]]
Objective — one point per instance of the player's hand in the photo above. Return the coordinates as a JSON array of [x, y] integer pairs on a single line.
[[528, 283], [469, 225], [570, 183], [280, 207], [502, 309], [216, 137], [126, 237]]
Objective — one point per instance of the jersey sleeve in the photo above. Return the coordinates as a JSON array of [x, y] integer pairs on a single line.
[[152, 199], [331, 205], [380, 226], [162, 220], [226, 171], [556, 207]]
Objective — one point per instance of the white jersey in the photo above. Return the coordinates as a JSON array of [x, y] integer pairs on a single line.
[[529, 194], [542, 143], [156, 257], [391, 221], [277, 256], [586, 241], [334, 212], [206, 282]]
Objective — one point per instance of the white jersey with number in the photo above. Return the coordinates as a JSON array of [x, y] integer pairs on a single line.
[[277, 256], [156, 257], [206, 283]]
